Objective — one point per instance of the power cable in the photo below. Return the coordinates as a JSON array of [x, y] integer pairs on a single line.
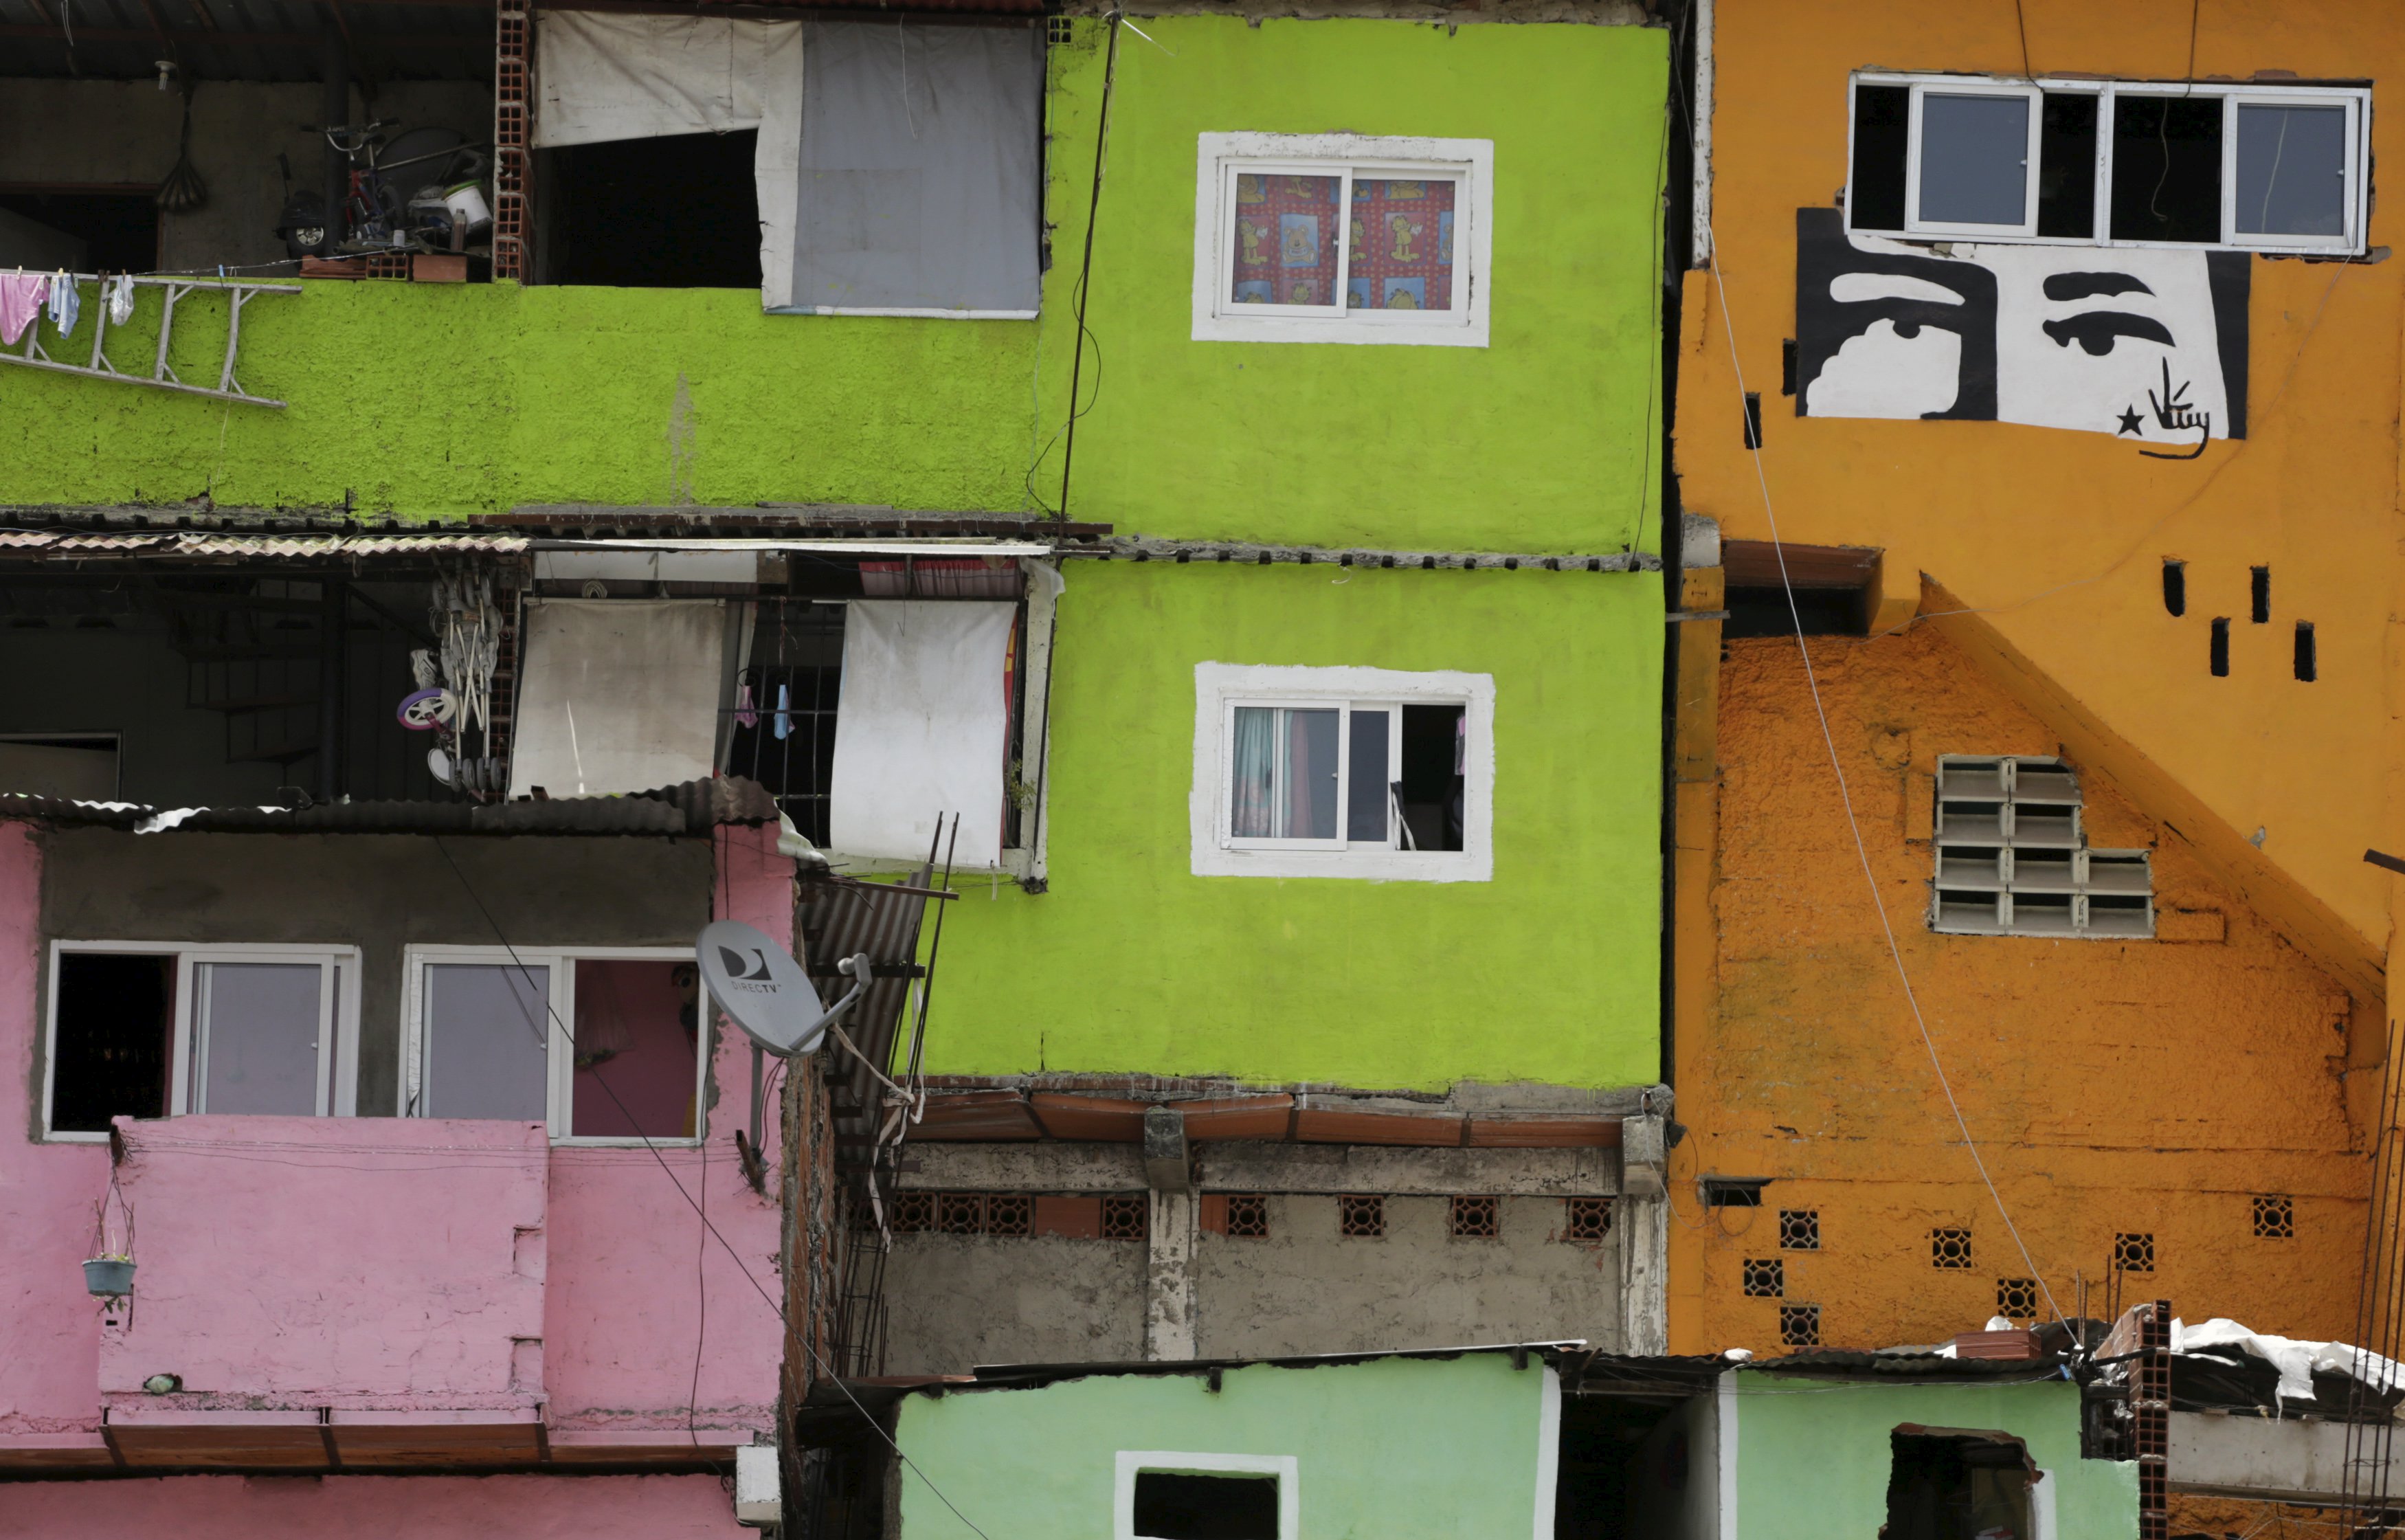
[[737, 1257]]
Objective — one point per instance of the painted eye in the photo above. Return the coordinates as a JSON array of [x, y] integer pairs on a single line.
[[2097, 330]]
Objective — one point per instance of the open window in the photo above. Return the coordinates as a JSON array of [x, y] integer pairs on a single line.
[[1163, 1495], [1343, 772], [1962, 1484], [601, 1046], [148, 1031], [2246, 167], [1341, 237]]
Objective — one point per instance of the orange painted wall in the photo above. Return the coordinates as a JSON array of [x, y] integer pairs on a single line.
[[2147, 1087], [2058, 536]]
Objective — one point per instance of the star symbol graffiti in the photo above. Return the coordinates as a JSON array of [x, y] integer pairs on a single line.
[[2130, 422]]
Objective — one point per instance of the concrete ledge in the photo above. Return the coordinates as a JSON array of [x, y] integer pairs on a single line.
[[1247, 1165], [2283, 1459]]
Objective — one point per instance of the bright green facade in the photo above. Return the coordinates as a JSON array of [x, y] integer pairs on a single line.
[[1813, 1456], [1390, 1449], [1132, 963]]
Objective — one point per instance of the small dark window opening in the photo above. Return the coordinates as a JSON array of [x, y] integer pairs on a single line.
[[679, 212], [1882, 119], [1824, 612], [2221, 647], [118, 227], [2306, 666], [1435, 753], [1753, 419], [1956, 1486], [1175, 1506], [2066, 167], [2166, 168], [2259, 591], [2174, 585], [1733, 1192], [111, 1050], [1787, 367]]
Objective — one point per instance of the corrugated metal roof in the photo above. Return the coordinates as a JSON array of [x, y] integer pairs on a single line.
[[1153, 548], [193, 543], [693, 808], [1911, 1364], [265, 41]]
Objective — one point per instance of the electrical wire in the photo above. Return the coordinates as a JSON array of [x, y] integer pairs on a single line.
[[733, 1255], [1845, 794]]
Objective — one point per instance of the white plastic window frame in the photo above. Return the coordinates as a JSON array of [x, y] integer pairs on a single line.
[[2356, 99], [1220, 688], [1914, 223], [1219, 158], [559, 1110], [338, 1020], [1134, 1463]]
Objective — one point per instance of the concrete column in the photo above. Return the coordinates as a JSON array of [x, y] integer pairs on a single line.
[[1169, 1278], [1644, 1230]]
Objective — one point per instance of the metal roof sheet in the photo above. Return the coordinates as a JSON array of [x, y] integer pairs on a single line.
[[193, 543], [693, 808]]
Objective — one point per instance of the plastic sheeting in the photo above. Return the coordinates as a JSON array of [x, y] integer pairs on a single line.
[[2297, 1359], [925, 725], [618, 695], [610, 76], [921, 170]]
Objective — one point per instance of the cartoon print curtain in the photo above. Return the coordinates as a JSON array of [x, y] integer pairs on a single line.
[[1401, 240]]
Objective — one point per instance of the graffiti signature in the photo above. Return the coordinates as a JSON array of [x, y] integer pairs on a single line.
[[2174, 413]]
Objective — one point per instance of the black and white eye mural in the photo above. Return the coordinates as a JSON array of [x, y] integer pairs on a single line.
[[2143, 345]]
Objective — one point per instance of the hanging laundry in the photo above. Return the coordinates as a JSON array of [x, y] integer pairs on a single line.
[[121, 300], [66, 303], [784, 728], [743, 704], [21, 300]]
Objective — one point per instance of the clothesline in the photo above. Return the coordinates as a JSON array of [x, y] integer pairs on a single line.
[[161, 277]]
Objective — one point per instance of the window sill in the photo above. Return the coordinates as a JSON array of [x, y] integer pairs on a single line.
[[1380, 866], [1331, 329], [907, 313]]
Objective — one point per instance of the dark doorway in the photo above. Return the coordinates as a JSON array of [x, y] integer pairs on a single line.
[[109, 1057], [673, 213], [119, 226]]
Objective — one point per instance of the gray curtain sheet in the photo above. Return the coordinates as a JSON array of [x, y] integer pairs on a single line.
[[922, 167]]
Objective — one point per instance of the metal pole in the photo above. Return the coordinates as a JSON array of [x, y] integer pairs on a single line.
[[333, 622], [334, 76]]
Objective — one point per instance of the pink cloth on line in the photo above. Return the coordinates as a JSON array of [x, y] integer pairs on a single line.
[[21, 300]]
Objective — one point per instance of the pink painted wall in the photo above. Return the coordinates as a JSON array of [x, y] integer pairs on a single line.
[[50, 1366], [638, 1287], [331, 1262], [373, 1507], [326, 1275]]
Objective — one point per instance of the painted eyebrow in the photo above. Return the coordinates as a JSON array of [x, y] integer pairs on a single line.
[[1859, 287], [2084, 286]]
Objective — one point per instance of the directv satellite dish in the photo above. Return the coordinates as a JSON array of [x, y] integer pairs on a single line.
[[765, 992]]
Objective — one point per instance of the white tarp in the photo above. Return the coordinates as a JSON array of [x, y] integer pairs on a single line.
[[2297, 1359], [618, 695], [924, 724], [604, 74]]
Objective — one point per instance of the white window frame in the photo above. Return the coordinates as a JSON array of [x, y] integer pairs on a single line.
[[1913, 222], [338, 1020], [2356, 99], [1221, 157], [1133, 1463], [1220, 688], [559, 1111]]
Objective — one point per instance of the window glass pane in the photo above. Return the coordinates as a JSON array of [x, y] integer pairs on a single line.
[[1366, 794], [1286, 239], [1973, 159], [2166, 168], [257, 1046], [1436, 748], [636, 1048], [1403, 244], [2066, 162], [1881, 118], [110, 1056], [1252, 791], [2291, 170], [1307, 801], [486, 1030]]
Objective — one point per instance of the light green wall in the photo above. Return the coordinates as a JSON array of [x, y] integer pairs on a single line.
[[1813, 1455], [438, 400], [1390, 1449], [1542, 441], [1130, 963]]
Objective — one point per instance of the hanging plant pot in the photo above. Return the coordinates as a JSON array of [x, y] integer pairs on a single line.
[[108, 1277]]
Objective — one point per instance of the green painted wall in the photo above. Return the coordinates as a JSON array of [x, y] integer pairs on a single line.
[[437, 401], [1541, 442], [1813, 1455], [1130, 963], [442, 401], [1391, 1449]]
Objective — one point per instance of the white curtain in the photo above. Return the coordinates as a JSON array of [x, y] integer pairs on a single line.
[[602, 76], [922, 729], [618, 695]]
